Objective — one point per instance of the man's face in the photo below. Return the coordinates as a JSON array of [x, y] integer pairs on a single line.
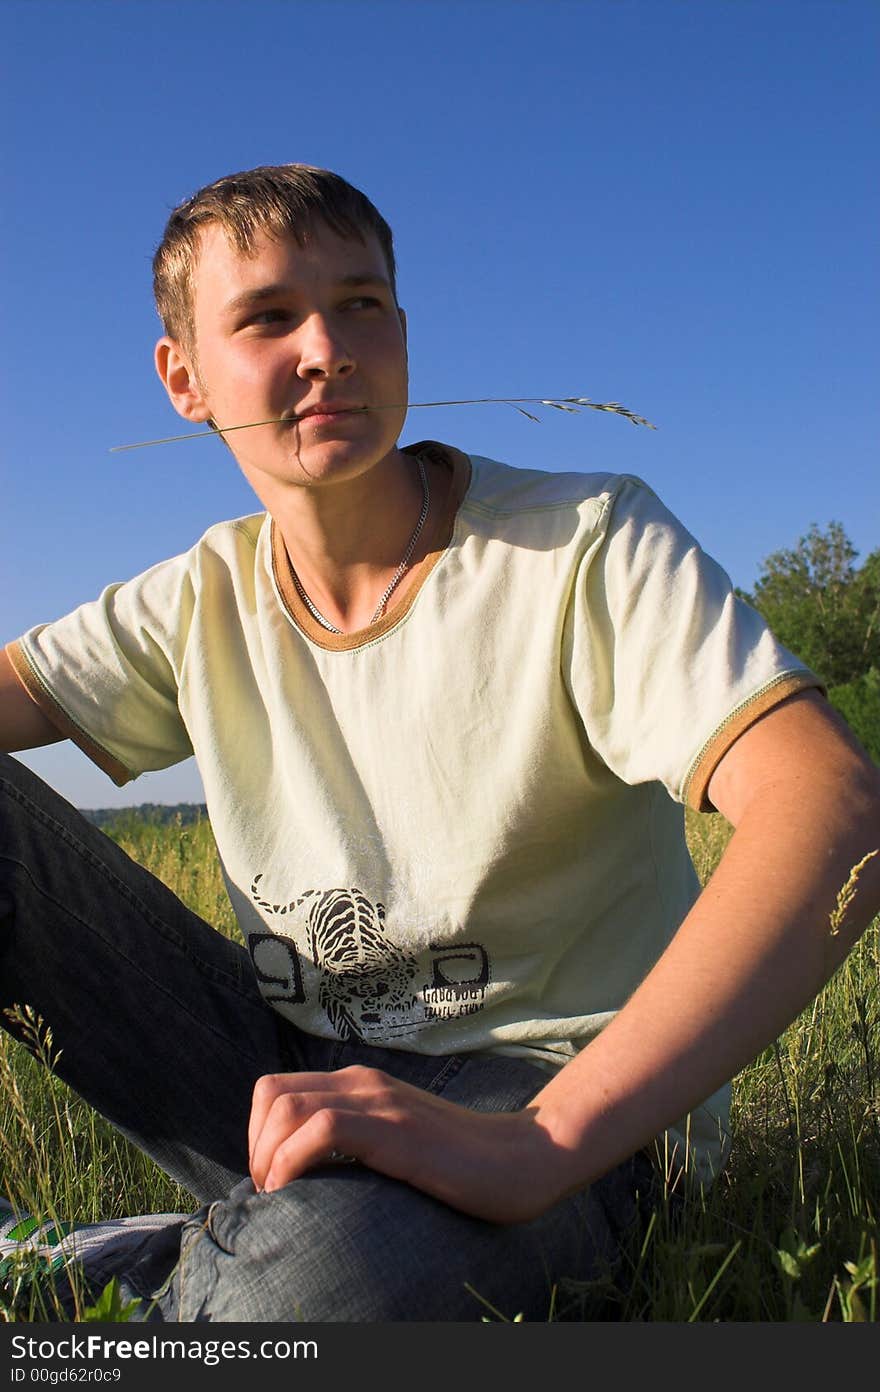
[[290, 330]]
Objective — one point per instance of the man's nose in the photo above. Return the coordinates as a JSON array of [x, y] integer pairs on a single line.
[[323, 352]]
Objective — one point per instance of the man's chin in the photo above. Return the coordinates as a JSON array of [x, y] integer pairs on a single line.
[[331, 461]]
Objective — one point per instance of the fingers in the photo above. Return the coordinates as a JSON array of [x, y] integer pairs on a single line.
[[297, 1133], [266, 1090], [293, 1140], [279, 1144], [504, 1167], [299, 1119]]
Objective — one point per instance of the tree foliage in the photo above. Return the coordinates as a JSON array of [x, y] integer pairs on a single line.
[[859, 703], [821, 606]]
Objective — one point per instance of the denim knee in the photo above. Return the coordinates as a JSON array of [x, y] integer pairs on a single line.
[[349, 1245]]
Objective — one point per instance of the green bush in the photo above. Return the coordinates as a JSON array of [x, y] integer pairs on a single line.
[[859, 703]]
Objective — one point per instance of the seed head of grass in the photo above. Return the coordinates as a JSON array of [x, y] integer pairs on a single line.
[[847, 894]]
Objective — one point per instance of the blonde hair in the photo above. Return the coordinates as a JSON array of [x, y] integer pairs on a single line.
[[283, 199]]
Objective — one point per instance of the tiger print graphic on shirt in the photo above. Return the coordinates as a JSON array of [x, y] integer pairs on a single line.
[[369, 988]]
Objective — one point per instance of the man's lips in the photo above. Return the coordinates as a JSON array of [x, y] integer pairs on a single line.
[[326, 410]]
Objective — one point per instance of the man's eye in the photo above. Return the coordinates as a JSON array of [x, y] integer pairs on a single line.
[[363, 302], [268, 316]]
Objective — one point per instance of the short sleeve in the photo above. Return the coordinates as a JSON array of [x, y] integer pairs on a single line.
[[667, 665], [107, 675]]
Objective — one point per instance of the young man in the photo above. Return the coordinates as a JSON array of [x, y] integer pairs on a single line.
[[446, 713]]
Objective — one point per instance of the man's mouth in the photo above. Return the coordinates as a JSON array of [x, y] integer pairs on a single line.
[[325, 411]]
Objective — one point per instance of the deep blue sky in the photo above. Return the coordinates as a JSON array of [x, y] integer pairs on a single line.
[[668, 203]]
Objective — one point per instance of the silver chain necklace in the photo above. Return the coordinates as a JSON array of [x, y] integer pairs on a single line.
[[395, 579]]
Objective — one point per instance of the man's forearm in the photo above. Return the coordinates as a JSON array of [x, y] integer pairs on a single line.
[[754, 951]]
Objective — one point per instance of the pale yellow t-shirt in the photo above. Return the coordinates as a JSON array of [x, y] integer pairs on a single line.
[[461, 828]]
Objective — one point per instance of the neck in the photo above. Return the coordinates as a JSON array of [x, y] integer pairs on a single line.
[[345, 540]]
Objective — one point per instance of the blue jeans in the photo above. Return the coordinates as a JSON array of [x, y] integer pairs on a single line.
[[162, 1029]]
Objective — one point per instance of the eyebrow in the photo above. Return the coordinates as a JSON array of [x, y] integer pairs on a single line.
[[249, 299]]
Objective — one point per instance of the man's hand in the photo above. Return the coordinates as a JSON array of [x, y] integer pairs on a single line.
[[501, 1166]]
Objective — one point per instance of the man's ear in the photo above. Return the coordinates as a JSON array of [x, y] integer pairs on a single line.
[[180, 379], [401, 314]]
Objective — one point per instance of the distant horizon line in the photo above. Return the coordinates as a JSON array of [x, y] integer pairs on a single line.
[[163, 812]]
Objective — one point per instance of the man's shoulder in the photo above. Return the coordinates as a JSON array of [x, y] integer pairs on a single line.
[[226, 554], [231, 543], [506, 489], [232, 534]]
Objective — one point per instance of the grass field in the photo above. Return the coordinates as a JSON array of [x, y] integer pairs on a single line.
[[789, 1232]]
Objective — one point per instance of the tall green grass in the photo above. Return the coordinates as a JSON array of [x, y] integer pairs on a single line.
[[788, 1232]]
